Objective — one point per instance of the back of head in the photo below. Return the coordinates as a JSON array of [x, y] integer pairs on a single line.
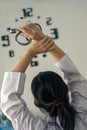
[[51, 93]]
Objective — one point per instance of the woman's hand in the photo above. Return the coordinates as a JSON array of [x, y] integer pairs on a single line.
[[42, 46], [31, 31], [42, 42]]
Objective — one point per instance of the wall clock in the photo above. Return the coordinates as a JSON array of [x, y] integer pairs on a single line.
[[17, 13], [25, 13]]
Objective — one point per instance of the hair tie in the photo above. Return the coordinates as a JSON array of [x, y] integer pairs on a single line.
[[58, 102]]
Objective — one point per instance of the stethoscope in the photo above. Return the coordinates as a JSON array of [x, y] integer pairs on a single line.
[[19, 33]]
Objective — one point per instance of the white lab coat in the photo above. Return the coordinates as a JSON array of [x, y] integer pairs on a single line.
[[15, 108]]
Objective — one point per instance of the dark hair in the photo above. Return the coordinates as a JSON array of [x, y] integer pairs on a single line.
[[51, 93]]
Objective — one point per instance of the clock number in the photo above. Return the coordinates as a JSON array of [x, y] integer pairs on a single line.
[[5, 38], [28, 12], [11, 53], [49, 21], [54, 31], [34, 63]]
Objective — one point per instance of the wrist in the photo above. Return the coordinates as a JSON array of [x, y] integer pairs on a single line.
[[30, 51], [57, 53]]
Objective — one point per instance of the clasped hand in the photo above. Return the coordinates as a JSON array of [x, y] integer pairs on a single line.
[[40, 42]]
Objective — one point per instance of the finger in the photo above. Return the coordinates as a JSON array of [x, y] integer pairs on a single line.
[[47, 41], [32, 32], [27, 26], [29, 30], [26, 32], [49, 46], [51, 49], [24, 29], [34, 26], [44, 40]]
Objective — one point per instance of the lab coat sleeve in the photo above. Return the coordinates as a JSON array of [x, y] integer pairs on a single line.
[[76, 82], [14, 107]]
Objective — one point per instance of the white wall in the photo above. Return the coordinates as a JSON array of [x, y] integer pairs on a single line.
[[69, 16]]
